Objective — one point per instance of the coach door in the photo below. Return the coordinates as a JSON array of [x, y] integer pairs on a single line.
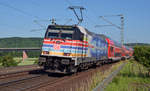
[[111, 51]]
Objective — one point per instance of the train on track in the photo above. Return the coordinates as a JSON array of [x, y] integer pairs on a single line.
[[70, 48]]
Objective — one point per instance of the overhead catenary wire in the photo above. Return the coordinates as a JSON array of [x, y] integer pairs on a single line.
[[109, 22], [34, 30], [92, 11], [93, 15], [87, 19], [79, 17], [70, 4], [67, 21], [88, 10], [18, 10], [35, 3], [35, 21], [25, 13], [91, 20]]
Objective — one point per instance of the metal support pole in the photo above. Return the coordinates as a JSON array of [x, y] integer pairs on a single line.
[[122, 29], [80, 18]]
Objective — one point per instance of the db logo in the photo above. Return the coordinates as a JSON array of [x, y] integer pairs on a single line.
[[56, 46]]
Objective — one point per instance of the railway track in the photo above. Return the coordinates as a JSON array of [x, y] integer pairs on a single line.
[[29, 82], [42, 81], [6, 79], [18, 69], [67, 82], [11, 75], [24, 77]]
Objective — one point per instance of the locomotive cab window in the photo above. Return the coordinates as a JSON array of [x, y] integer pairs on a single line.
[[52, 35], [81, 37], [62, 32], [60, 35], [78, 35], [66, 36]]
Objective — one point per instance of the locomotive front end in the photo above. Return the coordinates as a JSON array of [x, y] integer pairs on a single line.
[[61, 46]]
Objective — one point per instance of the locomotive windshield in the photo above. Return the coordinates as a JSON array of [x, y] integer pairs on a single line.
[[60, 32], [52, 35], [64, 32], [59, 35], [66, 36]]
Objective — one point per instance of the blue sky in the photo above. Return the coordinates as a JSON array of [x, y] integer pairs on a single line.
[[17, 17]]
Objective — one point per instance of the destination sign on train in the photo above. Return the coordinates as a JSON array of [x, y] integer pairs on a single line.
[[64, 27]]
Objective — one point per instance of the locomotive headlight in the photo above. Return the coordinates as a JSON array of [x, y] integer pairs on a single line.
[[67, 54], [45, 52]]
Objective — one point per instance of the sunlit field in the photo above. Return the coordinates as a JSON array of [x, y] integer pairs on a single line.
[[28, 61], [133, 77]]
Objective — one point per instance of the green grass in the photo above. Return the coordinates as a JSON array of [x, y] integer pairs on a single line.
[[133, 77], [1, 65], [28, 61], [92, 80]]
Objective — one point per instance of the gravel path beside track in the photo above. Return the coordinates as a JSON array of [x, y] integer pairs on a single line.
[[107, 80]]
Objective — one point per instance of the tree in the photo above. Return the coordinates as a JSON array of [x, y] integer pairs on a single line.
[[8, 61], [142, 55]]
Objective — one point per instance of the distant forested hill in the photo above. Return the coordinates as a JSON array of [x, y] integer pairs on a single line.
[[139, 44], [18, 42]]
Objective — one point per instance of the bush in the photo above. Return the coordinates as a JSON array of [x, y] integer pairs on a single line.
[[8, 61], [36, 61], [142, 55]]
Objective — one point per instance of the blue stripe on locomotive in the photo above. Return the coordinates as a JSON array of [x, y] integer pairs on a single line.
[[100, 47], [65, 49]]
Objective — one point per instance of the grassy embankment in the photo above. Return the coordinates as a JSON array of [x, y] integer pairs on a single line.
[[133, 77], [20, 62], [90, 82], [28, 61]]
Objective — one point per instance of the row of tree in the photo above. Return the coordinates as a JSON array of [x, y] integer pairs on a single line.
[[18, 42]]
